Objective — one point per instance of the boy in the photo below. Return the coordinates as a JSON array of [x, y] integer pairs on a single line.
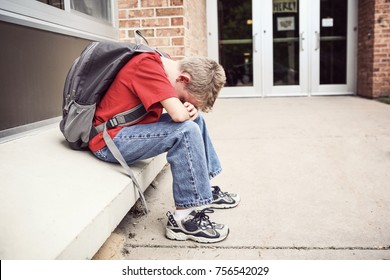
[[181, 88]]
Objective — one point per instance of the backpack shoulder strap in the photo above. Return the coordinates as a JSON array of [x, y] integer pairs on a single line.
[[126, 118], [118, 156]]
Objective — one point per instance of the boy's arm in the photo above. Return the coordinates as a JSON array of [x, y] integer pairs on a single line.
[[176, 110]]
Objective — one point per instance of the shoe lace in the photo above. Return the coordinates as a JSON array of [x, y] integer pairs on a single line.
[[171, 219], [217, 190], [202, 219]]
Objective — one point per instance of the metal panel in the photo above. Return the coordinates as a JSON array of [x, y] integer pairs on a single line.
[[33, 67]]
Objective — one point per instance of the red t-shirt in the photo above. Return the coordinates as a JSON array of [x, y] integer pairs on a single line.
[[141, 80]]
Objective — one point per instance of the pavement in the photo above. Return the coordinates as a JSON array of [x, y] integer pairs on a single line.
[[313, 174]]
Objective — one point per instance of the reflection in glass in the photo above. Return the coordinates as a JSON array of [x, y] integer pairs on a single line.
[[99, 9], [333, 41], [55, 3], [235, 41], [286, 42]]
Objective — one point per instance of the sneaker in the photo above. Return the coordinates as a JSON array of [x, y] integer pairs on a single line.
[[197, 227], [223, 199]]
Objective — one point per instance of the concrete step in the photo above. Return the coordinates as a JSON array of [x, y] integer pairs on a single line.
[[57, 203]]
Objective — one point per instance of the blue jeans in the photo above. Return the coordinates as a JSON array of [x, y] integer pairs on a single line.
[[190, 154]]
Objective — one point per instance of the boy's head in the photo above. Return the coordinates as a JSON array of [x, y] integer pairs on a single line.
[[207, 78]]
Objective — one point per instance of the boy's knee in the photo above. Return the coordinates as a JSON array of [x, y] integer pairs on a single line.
[[191, 128]]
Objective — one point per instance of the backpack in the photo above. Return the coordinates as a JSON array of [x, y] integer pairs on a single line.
[[87, 81], [85, 85]]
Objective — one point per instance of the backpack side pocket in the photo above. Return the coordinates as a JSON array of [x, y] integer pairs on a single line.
[[78, 124]]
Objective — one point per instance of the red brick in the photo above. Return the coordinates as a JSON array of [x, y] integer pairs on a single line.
[[169, 32], [155, 22], [122, 14], [154, 3], [176, 2], [145, 32], [178, 41], [175, 21], [170, 12], [126, 4], [129, 23], [174, 51], [159, 42], [141, 13]]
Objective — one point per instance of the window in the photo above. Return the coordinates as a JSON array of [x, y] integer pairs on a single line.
[[89, 19], [99, 9], [55, 3]]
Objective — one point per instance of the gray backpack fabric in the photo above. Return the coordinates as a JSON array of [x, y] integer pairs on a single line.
[[86, 83]]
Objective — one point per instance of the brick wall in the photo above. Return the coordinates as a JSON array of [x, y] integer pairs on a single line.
[[374, 48], [174, 26]]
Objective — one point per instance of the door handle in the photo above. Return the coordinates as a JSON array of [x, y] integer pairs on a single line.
[[317, 40], [301, 39], [254, 42]]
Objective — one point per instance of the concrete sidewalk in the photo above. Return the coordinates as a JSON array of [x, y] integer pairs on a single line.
[[313, 174]]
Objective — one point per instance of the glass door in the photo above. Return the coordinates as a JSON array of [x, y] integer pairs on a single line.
[[331, 42], [284, 47], [285, 42], [232, 29], [309, 47], [235, 41], [334, 45]]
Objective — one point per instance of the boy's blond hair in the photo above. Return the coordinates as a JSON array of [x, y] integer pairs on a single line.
[[207, 79]]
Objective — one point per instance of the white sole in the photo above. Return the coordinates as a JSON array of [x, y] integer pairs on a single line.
[[170, 234]]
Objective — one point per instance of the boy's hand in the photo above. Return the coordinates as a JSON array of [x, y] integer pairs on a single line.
[[192, 111]]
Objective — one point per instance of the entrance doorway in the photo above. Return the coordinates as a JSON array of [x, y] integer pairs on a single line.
[[284, 47]]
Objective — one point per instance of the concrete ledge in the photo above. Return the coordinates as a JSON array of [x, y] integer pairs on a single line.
[[56, 203]]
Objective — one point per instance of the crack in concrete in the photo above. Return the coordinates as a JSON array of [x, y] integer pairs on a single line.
[[307, 248]]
